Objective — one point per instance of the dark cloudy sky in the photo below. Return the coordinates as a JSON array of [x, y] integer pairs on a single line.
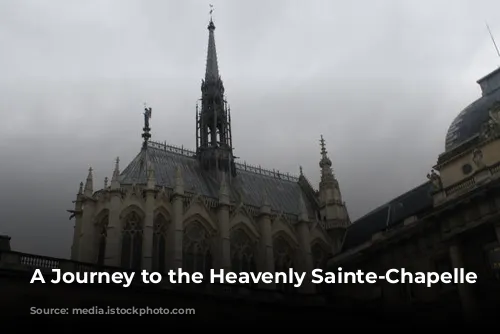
[[381, 80]]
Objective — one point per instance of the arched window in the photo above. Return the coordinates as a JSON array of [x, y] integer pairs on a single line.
[[320, 257], [102, 233], [283, 261], [132, 241], [196, 253], [159, 243], [242, 253]]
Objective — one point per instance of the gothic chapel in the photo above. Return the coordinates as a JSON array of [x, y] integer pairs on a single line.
[[198, 210]]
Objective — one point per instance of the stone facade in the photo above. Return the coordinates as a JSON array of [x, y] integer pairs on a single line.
[[450, 222], [197, 210]]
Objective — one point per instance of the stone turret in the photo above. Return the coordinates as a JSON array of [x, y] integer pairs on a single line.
[[333, 212], [89, 184]]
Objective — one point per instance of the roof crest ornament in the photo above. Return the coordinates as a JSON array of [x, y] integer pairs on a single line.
[[146, 135], [211, 11]]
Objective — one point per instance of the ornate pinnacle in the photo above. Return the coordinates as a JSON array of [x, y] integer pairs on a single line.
[[147, 116], [323, 147], [116, 172]]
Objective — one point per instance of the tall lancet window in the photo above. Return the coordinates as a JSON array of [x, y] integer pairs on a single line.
[[242, 253], [283, 261], [159, 243], [102, 233], [132, 241], [320, 257], [197, 255]]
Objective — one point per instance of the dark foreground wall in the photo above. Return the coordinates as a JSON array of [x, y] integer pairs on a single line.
[[18, 297]]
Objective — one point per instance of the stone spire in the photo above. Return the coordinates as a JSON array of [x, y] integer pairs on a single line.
[[332, 210], [89, 184], [213, 125], [115, 182], [325, 164], [212, 68], [80, 189]]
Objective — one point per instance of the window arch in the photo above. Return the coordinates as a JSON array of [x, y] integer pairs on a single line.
[[196, 252], [101, 236], [243, 257], [132, 241], [283, 261], [159, 243]]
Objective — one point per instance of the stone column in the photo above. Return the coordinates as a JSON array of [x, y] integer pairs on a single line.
[[114, 231], [77, 231], [266, 258], [176, 228], [87, 236], [306, 260], [467, 298], [224, 242], [148, 231]]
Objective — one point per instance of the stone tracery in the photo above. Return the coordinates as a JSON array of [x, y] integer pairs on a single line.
[[197, 253], [101, 236], [132, 241], [159, 242], [243, 257], [283, 260]]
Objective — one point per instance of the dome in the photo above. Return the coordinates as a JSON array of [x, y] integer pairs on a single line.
[[469, 122]]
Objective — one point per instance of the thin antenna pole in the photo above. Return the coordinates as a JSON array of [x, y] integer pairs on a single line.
[[493, 39]]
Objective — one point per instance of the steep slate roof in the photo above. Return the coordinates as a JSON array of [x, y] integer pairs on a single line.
[[411, 203], [283, 191]]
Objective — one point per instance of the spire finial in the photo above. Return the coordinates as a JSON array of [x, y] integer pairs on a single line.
[[301, 171], [147, 116], [89, 184], [323, 146], [211, 11]]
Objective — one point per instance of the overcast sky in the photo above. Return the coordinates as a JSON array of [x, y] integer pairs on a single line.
[[381, 80]]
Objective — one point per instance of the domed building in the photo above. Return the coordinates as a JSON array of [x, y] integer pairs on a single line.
[[470, 122], [451, 221]]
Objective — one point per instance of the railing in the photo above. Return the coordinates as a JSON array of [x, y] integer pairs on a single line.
[[470, 182], [242, 166], [29, 262]]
